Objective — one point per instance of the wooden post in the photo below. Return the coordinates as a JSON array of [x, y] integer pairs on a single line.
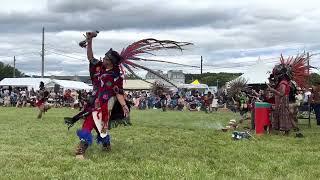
[[309, 85], [308, 65], [201, 64]]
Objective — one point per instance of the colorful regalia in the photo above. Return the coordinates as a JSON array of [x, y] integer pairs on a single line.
[[41, 101], [284, 76], [108, 88]]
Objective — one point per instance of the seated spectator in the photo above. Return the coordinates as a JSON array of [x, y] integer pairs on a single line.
[[14, 98], [193, 106], [181, 103], [7, 101], [19, 101], [214, 104]]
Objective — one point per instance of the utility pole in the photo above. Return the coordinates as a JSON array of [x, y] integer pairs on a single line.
[[309, 84], [14, 66], [201, 64], [308, 65], [42, 54]]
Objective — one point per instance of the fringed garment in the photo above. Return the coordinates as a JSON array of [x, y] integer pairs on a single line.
[[281, 119]]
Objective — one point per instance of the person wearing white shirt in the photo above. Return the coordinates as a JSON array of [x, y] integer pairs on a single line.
[[306, 96]]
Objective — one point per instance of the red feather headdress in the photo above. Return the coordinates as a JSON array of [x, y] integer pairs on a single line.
[[147, 46], [294, 68]]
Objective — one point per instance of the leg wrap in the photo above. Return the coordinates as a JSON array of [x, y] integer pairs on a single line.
[[85, 136], [106, 140], [82, 147]]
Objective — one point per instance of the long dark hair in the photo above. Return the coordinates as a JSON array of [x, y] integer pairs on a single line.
[[293, 92]]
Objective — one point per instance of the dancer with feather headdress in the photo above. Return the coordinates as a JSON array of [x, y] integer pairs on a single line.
[[289, 70], [110, 84], [41, 101], [237, 91]]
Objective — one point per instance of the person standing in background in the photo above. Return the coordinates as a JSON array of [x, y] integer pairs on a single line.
[[315, 98]]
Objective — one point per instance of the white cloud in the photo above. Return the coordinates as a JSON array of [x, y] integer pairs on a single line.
[[230, 35]]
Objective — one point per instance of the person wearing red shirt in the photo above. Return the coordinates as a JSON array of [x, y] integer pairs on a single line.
[[109, 84]]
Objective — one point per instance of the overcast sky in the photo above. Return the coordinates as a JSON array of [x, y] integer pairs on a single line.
[[229, 34]]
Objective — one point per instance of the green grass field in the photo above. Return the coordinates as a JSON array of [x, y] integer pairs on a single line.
[[159, 145]]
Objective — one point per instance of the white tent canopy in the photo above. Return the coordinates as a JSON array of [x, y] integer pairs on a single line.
[[24, 82], [193, 86], [257, 74], [136, 84], [35, 82], [67, 84]]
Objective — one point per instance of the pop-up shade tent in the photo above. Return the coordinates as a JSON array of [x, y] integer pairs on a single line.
[[67, 84], [194, 85], [24, 82], [136, 84]]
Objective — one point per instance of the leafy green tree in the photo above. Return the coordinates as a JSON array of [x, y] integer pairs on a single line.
[[212, 79], [314, 78], [6, 71]]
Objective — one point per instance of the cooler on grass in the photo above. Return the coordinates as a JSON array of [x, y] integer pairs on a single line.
[[262, 116]]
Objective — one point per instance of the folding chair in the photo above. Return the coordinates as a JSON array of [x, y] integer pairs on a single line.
[[305, 108]]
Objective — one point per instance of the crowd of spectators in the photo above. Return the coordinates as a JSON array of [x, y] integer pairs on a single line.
[[22, 97], [180, 101]]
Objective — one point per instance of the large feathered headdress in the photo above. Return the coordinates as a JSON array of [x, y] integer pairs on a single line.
[[295, 69], [131, 54], [237, 86]]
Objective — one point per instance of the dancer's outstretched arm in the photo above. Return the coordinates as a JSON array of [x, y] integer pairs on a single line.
[[90, 36], [279, 93]]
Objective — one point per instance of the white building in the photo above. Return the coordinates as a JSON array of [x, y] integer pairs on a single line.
[[151, 76], [175, 76]]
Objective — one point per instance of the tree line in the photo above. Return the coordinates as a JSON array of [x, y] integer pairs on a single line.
[[6, 71], [212, 79]]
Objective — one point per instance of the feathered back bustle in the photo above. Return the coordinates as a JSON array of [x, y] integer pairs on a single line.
[[149, 46], [237, 86], [297, 68]]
